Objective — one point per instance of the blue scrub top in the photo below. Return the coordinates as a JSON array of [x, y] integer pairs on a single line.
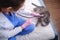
[[18, 22], [15, 20]]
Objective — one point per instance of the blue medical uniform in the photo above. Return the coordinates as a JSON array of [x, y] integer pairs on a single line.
[[18, 22]]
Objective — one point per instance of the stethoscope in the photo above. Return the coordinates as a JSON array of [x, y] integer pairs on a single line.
[[27, 16]]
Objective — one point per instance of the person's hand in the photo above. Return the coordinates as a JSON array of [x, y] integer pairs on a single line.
[[36, 14], [28, 22]]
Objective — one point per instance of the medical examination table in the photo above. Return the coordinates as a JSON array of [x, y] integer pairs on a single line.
[[40, 33]]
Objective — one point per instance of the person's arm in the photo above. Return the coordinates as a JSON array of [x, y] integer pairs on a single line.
[[35, 14], [10, 33]]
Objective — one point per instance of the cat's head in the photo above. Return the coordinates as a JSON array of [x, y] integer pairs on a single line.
[[45, 19]]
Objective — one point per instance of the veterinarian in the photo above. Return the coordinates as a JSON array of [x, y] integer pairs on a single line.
[[10, 25]]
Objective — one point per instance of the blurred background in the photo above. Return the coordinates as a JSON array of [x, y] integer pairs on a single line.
[[54, 8]]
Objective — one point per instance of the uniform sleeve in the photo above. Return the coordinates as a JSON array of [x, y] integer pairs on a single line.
[[21, 21], [10, 33]]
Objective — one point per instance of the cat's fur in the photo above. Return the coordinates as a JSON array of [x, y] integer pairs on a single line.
[[45, 18]]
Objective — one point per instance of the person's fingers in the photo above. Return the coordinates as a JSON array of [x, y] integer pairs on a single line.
[[29, 21]]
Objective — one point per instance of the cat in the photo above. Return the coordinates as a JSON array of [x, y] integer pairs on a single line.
[[43, 20]]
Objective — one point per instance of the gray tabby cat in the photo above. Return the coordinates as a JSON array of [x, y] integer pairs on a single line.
[[45, 18]]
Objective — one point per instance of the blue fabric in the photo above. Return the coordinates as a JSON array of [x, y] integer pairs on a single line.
[[12, 38], [27, 30], [18, 22]]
